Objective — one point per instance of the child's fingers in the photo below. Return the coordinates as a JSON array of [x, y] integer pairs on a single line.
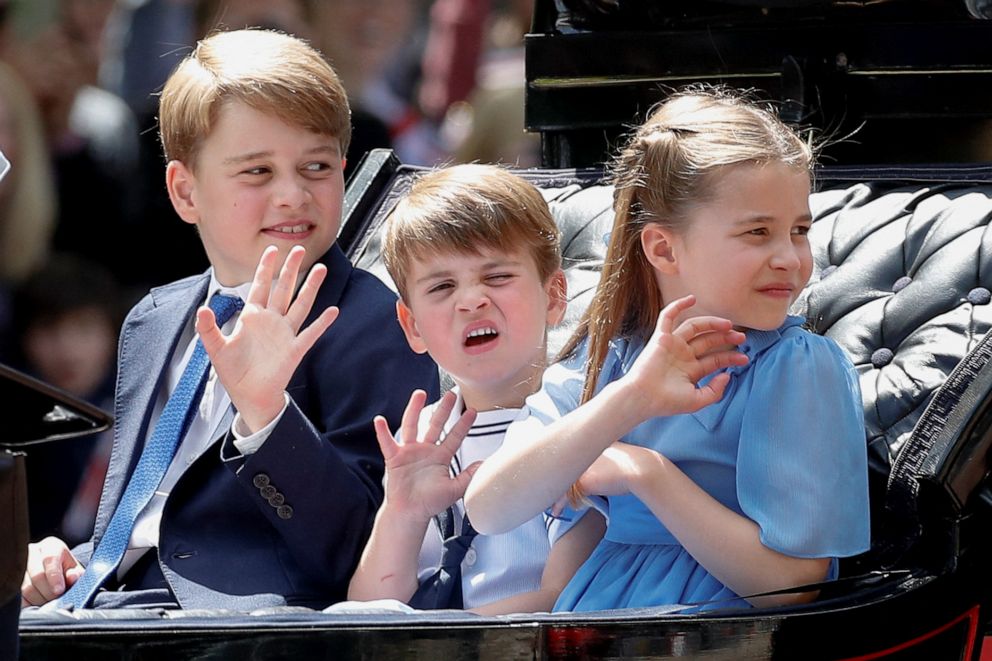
[[706, 325], [439, 417], [210, 335], [261, 284], [387, 445], [671, 312], [717, 361], [705, 342], [297, 312], [458, 432], [282, 291], [712, 391], [408, 425], [309, 336], [463, 479]]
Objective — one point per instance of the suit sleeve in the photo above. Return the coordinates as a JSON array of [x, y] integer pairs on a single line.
[[318, 477]]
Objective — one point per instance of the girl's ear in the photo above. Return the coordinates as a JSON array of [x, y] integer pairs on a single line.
[[658, 244], [181, 182], [557, 291], [409, 325]]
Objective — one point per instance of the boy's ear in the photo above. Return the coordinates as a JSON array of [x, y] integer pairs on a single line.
[[658, 244], [557, 289], [180, 182], [409, 326]]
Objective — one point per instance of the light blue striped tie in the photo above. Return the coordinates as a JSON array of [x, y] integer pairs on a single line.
[[154, 462]]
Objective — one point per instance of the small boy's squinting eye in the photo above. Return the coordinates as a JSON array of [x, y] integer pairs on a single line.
[[499, 278], [439, 287]]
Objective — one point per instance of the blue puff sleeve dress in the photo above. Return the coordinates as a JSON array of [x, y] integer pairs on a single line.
[[785, 447]]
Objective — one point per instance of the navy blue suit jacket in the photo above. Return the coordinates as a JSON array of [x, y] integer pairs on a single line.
[[226, 541]]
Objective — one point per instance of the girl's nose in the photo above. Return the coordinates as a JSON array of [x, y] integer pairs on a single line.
[[787, 256]]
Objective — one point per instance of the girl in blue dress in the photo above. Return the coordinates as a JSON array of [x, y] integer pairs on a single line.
[[728, 440]]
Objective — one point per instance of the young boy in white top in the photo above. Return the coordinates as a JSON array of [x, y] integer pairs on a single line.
[[475, 255]]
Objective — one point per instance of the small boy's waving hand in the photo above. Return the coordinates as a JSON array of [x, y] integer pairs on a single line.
[[418, 487], [417, 478], [256, 361]]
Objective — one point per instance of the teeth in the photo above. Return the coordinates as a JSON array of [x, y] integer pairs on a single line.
[[295, 229], [482, 331]]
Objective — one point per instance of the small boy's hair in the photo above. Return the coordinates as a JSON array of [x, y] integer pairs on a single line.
[[465, 209], [268, 71]]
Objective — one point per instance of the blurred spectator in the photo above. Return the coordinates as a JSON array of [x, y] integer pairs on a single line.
[[27, 196], [362, 39], [92, 136], [488, 125], [67, 318]]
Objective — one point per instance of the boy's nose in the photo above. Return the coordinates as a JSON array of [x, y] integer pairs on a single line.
[[291, 193], [472, 299]]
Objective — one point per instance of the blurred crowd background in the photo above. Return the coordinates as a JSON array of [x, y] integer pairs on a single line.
[[86, 227]]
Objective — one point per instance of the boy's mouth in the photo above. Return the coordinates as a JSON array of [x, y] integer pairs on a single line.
[[480, 336], [290, 230]]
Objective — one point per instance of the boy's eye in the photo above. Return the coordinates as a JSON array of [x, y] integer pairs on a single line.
[[441, 286], [757, 231], [261, 169], [317, 166], [499, 277], [801, 230]]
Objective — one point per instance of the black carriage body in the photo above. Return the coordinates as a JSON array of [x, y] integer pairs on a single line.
[[902, 278], [922, 593]]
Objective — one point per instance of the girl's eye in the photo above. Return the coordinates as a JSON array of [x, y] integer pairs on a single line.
[[757, 231], [801, 230]]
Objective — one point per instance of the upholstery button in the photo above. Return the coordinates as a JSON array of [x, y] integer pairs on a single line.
[[277, 499], [284, 512], [261, 480], [827, 270], [901, 283], [268, 491], [470, 557], [979, 296], [882, 357]]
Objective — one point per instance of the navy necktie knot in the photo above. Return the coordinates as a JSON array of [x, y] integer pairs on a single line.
[[224, 307]]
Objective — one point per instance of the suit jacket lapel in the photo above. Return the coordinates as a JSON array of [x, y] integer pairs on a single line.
[[148, 342]]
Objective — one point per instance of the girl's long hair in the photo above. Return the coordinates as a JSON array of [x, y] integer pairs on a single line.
[[669, 165]]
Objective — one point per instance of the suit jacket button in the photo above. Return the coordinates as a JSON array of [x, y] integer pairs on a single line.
[[261, 480], [277, 499], [284, 512], [268, 491]]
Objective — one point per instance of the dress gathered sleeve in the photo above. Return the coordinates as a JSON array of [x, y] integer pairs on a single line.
[[802, 471]]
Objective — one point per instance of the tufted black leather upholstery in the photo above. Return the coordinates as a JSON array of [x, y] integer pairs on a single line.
[[902, 277]]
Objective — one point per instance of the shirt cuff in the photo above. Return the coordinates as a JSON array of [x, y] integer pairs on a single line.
[[247, 443]]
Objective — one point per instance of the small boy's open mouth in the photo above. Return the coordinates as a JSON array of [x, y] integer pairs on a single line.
[[481, 336]]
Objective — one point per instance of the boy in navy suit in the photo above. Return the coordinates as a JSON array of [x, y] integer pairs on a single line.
[[270, 494]]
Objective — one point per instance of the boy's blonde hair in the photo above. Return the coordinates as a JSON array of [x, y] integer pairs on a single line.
[[668, 166], [266, 70], [464, 209]]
